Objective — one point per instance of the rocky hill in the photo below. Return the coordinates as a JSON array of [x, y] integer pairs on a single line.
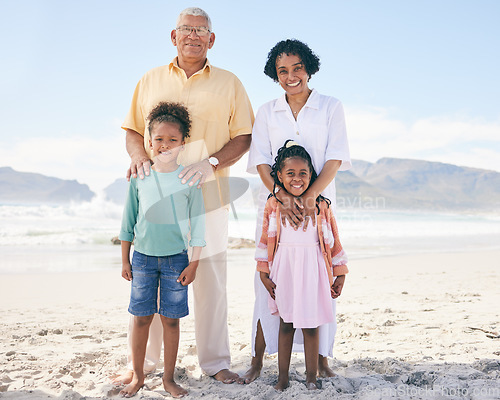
[[424, 184], [32, 188]]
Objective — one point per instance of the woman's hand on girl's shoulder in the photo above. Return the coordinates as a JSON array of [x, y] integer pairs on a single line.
[[309, 208], [291, 209]]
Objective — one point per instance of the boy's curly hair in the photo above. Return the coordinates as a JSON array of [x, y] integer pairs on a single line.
[[291, 46], [170, 112], [294, 150]]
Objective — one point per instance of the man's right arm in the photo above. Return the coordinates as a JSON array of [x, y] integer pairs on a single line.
[[139, 160]]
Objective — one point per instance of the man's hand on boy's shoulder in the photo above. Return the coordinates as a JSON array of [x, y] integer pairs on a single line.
[[127, 272], [187, 276]]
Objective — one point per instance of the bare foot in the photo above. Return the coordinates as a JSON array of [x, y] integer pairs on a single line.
[[174, 389], [123, 379], [324, 371], [281, 385], [133, 387], [312, 385], [252, 374], [226, 376]]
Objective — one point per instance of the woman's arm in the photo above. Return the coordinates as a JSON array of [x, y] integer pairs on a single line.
[[309, 197]]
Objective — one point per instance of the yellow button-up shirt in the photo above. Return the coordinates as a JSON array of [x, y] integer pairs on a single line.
[[219, 108]]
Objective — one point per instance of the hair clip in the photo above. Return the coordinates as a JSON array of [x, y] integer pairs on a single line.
[[291, 143]]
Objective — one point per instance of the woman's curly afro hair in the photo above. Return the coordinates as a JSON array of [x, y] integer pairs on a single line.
[[171, 112], [291, 46]]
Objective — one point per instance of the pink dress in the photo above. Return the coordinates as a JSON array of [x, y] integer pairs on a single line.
[[299, 272]]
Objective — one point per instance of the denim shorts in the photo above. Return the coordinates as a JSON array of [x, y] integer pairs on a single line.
[[150, 273]]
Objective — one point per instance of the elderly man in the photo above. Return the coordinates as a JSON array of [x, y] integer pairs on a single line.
[[222, 121]]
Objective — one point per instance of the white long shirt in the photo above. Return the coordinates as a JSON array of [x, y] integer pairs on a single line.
[[319, 128]]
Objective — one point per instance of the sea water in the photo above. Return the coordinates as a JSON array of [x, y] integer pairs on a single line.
[[42, 238]]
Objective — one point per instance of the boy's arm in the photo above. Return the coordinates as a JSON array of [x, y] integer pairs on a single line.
[[196, 211], [126, 235], [187, 276], [126, 267]]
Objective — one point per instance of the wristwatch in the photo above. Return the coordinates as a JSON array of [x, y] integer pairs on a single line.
[[214, 162]]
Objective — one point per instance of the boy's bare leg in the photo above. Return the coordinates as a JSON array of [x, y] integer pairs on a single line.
[[324, 369], [153, 350], [140, 333], [171, 346], [256, 365], [285, 343], [311, 346]]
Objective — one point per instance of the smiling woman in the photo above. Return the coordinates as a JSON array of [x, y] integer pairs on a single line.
[[315, 122]]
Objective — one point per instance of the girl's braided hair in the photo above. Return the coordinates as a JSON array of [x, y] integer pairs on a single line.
[[293, 150]]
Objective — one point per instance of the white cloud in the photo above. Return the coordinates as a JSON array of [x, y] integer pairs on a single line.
[[374, 134]]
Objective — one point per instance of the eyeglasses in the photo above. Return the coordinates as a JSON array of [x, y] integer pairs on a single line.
[[199, 30]]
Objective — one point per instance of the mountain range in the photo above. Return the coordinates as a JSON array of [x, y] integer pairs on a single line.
[[32, 188], [388, 183], [404, 183]]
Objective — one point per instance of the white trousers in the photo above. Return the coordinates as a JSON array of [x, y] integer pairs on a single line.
[[210, 304]]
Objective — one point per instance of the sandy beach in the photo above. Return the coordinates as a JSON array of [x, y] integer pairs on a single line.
[[416, 326]]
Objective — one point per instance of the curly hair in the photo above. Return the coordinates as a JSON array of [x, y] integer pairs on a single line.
[[295, 47], [170, 112], [293, 151]]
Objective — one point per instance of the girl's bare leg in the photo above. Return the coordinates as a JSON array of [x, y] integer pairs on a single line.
[[171, 346], [140, 333], [257, 360], [311, 346], [324, 369], [285, 343]]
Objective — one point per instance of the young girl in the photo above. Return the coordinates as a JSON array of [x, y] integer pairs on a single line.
[[159, 214], [298, 266]]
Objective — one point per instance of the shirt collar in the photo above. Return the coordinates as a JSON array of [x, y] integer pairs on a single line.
[[312, 102], [174, 64]]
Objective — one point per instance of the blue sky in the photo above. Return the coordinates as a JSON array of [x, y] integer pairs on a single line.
[[418, 79]]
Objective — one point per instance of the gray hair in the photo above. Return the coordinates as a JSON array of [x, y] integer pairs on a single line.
[[195, 12]]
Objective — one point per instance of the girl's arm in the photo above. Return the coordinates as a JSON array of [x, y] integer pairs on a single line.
[[126, 267], [189, 274], [268, 284], [261, 251], [339, 258], [338, 284]]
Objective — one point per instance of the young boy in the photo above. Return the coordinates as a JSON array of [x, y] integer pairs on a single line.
[[159, 214]]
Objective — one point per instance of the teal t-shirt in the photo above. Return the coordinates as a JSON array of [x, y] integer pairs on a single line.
[[160, 212]]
